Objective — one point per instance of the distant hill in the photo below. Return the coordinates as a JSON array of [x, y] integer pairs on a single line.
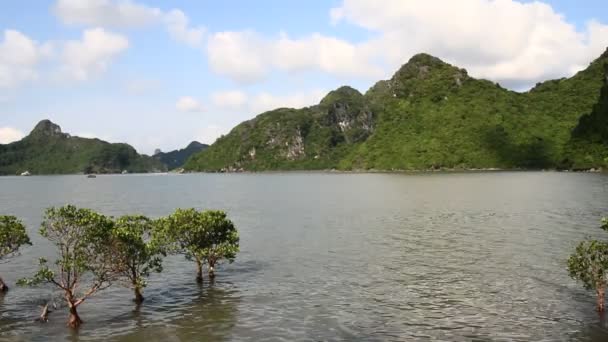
[[429, 115], [47, 150], [588, 147], [177, 158]]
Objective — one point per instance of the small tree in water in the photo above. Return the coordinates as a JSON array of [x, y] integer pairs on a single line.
[[12, 237], [589, 264], [137, 253], [85, 256], [222, 239], [203, 236]]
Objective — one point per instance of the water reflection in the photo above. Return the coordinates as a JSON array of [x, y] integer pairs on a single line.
[[211, 316], [452, 257]]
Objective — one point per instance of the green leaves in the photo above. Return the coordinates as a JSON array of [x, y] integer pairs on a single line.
[[44, 275], [138, 250], [12, 235], [202, 235], [589, 262], [85, 246]]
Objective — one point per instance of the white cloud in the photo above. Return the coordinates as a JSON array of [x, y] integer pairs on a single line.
[[10, 134], [177, 25], [128, 14], [19, 58], [504, 40], [247, 57], [242, 56], [90, 135], [105, 13], [91, 55], [210, 133], [237, 100], [231, 99], [265, 101], [188, 104]]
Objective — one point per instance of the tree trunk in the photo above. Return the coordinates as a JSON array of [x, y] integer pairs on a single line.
[[74, 320], [211, 269], [601, 294], [3, 287], [199, 271], [139, 298], [44, 316]]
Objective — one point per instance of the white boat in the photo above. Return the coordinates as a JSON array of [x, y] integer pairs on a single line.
[[26, 173]]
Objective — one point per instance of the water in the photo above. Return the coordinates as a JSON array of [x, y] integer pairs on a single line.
[[376, 257]]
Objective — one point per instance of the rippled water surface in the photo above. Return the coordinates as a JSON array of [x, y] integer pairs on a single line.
[[375, 257]]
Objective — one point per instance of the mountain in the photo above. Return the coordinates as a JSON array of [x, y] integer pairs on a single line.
[[429, 115], [308, 138], [177, 158], [47, 150], [588, 146]]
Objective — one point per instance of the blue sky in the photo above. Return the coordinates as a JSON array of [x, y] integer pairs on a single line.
[[160, 74]]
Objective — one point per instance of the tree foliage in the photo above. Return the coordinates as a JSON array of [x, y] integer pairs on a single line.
[[137, 253], [86, 261], [203, 236], [12, 235], [589, 265]]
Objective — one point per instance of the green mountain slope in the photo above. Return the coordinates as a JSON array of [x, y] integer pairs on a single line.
[[177, 158], [588, 147], [429, 115], [46, 150], [311, 138]]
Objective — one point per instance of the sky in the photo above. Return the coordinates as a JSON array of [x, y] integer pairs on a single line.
[[159, 74]]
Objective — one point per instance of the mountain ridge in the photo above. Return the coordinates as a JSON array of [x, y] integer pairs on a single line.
[[176, 158], [48, 150], [428, 115]]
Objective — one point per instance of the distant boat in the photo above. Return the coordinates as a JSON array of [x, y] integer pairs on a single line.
[[91, 176], [26, 173]]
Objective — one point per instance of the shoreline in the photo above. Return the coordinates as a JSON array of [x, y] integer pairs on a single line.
[[329, 171]]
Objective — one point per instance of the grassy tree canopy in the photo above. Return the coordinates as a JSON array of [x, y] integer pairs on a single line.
[[222, 239], [137, 252], [12, 235], [86, 260], [201, 235], [589, 265]]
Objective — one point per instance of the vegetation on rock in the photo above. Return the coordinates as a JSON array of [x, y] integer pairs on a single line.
[[47, 150], [429, 115], [177, 158]]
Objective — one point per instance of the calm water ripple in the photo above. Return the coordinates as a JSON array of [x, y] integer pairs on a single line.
[[334, 257]]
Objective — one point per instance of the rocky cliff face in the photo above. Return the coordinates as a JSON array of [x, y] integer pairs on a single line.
[[285, 138]]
